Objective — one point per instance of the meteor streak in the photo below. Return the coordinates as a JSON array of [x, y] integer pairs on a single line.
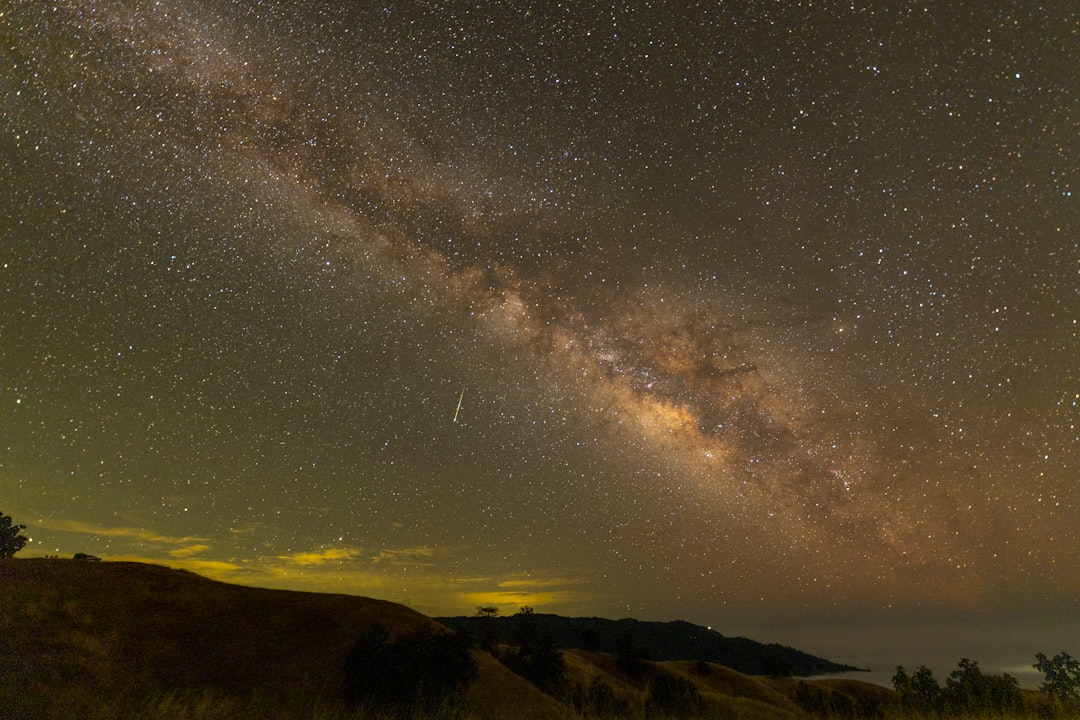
[[460, 398]]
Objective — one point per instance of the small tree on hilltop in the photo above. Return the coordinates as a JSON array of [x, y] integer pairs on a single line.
[[487, 611], [489, 626], [525, 630], [11, 537]]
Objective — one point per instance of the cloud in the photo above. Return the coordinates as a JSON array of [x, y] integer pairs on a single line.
[[412, 556], [411, 576], [216, 569], [322, 557], [133, 533], [409, 556], [190, 550], [249, 528], [414, 575], [552, 594], [222, 570], [537, 582], [567, 600]]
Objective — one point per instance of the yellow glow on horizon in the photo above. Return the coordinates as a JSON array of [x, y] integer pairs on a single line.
[[321, 557]]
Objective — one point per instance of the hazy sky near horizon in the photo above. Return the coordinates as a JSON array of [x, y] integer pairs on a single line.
[[751, 314]]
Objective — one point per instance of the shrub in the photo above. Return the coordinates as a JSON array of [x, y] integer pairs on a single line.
[[416, 672], [597, 700], [673, 696], [536, 658], [542, 665]]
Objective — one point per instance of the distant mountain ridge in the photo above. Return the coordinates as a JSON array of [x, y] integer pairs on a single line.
[[657, 641]]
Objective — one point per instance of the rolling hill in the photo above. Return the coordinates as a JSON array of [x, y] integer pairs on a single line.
[[110, 639], [654, 641], [113, 640]]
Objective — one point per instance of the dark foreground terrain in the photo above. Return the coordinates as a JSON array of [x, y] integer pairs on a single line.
[[107, 640]]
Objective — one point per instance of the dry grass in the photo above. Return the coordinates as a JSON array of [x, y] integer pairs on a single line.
[[500, 694], [103, 640], [112, 641]]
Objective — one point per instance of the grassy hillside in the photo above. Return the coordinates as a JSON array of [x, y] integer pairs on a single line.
[[87, 639], [105, 641]]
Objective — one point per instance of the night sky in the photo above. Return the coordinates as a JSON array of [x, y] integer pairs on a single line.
[[760, 315]]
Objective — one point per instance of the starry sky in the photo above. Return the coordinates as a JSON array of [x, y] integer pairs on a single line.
[[760, 315]]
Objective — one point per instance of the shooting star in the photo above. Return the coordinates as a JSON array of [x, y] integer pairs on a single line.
[[460, 398]]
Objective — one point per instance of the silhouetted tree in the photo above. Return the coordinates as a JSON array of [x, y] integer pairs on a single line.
[[525, 631], [487, 611], [11, 537], [630, 655], [590, 639], [536, 658], [901, 682], [969, 690], [415, 672], [490, 631], [920, 690], [925, 686], [1062, 675], [597, 700]]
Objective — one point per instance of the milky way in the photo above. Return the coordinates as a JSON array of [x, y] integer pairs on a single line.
[[621, 309]]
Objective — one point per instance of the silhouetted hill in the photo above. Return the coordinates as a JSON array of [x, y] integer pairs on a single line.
[[122, 641], [653, 641], [110, 640]]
